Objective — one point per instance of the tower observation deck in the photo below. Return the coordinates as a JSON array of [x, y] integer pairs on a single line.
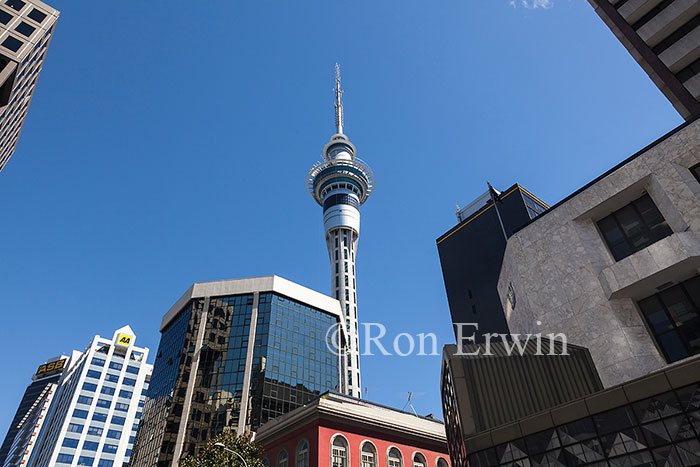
[[341, 183]]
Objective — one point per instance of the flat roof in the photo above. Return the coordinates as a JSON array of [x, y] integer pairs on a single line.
[[273, 283]]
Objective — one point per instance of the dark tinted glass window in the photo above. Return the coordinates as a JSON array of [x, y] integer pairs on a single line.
[[5, 17], [97, 361], [84, 400], [15, 4], [85, 460], [25, 29], [75, 428], [77, 413], [70, 443], [90, 445], [696, 171], [673, 316], [110, 448], [99, 417], [94, 431], [103, 403], [107, 390], [634, 227], [12, 43], [114, 434], [37, 15]]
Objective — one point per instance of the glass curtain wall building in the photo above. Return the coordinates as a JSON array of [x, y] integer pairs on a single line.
[[94, 416], [233, 355], [26, 423], [26, 29]]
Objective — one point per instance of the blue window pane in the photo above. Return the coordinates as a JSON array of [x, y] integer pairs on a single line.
[[118, 420], [132, 439], [114, 434], [115, 365], [99, 417], [77, 413], [89, 387], [105, 463], [93, 374], [70, 443], [107, 390], [94, 431], [103, 403], [128, 453], [110, 448], [129, 382], [85, 460], [132, 369], [64, 459], [84, 400], [75, 428], [112, 378], [90, 446], [97, 361], [121, 406], [125, 394]]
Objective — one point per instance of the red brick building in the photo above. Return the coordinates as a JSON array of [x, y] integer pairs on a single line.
[[341, 431]]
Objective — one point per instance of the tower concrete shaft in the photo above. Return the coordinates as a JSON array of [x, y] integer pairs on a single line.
[[341, 183]]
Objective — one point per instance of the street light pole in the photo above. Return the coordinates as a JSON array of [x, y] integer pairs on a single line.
[[221, 445]]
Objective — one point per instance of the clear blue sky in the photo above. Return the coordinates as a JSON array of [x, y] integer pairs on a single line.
[[169, 142]]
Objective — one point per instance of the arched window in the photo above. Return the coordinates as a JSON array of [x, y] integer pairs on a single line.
[[303, 453], [339, 452], [394, 458], [419, 460], [441, 462], [282, 458], [368, 455]]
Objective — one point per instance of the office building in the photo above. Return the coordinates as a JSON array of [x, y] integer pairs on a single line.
[[664, 38], [341, 183], [651, 421], [26, 29], [485, 387], [234, 354], [340, 431], [94, 416], [29, 417], [472, 251], [614, 266]]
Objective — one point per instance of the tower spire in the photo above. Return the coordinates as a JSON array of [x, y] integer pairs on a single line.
[[338, 102]]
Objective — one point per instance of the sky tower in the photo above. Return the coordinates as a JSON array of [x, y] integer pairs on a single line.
[[341, 183]]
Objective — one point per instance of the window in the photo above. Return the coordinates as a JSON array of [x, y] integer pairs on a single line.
[[339, 452], [134, 370], [90, 446], [105, 463], [394, 458], [125, 394], [15, 4], [442, 462], [282, 458], [37, 15], [633, 228], [25, 29], [77, 413], [129, 382], [112, 378], [110, 448], [75, 428], [115, 365], [419, 460], [64, 459], [114, 434], [118, 420], [12, 43], [695, 170], [673, 316], [97, 361], [303, 454], [84, 400], [85, 460], [103, 403], [94, 431], [107, 390], [93, 374], [70, 443], [368, 455], [121, 406], [89, 387], [5, 17], [99, 417]]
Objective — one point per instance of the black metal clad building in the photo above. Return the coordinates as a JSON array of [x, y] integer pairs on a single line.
[[481, 392], [471, 254]]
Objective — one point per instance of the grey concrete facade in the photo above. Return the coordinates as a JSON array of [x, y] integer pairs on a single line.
[[566, 280]]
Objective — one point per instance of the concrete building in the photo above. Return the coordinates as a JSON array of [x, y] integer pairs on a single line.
[[341, 183], [615, 265], [472, 251], [30, 415], [339, 431], [664, 38], [234, 354], [26, 29], [94, 416]]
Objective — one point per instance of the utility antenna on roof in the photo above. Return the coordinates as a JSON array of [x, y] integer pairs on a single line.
[[408, 403]]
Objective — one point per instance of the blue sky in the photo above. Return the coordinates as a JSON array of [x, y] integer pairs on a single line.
[[169, 142]]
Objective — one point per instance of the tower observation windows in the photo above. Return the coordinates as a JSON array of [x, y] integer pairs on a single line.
[[340, 198], [633, 227]]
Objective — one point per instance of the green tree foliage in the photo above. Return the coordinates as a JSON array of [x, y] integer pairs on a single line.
[[214, 456]]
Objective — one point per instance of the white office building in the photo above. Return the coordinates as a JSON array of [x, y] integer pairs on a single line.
[[97, 407]]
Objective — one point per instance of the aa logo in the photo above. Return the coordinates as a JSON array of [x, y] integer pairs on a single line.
[[124, 339]]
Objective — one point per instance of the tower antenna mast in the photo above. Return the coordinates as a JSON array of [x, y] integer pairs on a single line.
[[338, 102]]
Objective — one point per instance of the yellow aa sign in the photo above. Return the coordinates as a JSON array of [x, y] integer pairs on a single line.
[[124, 339]]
